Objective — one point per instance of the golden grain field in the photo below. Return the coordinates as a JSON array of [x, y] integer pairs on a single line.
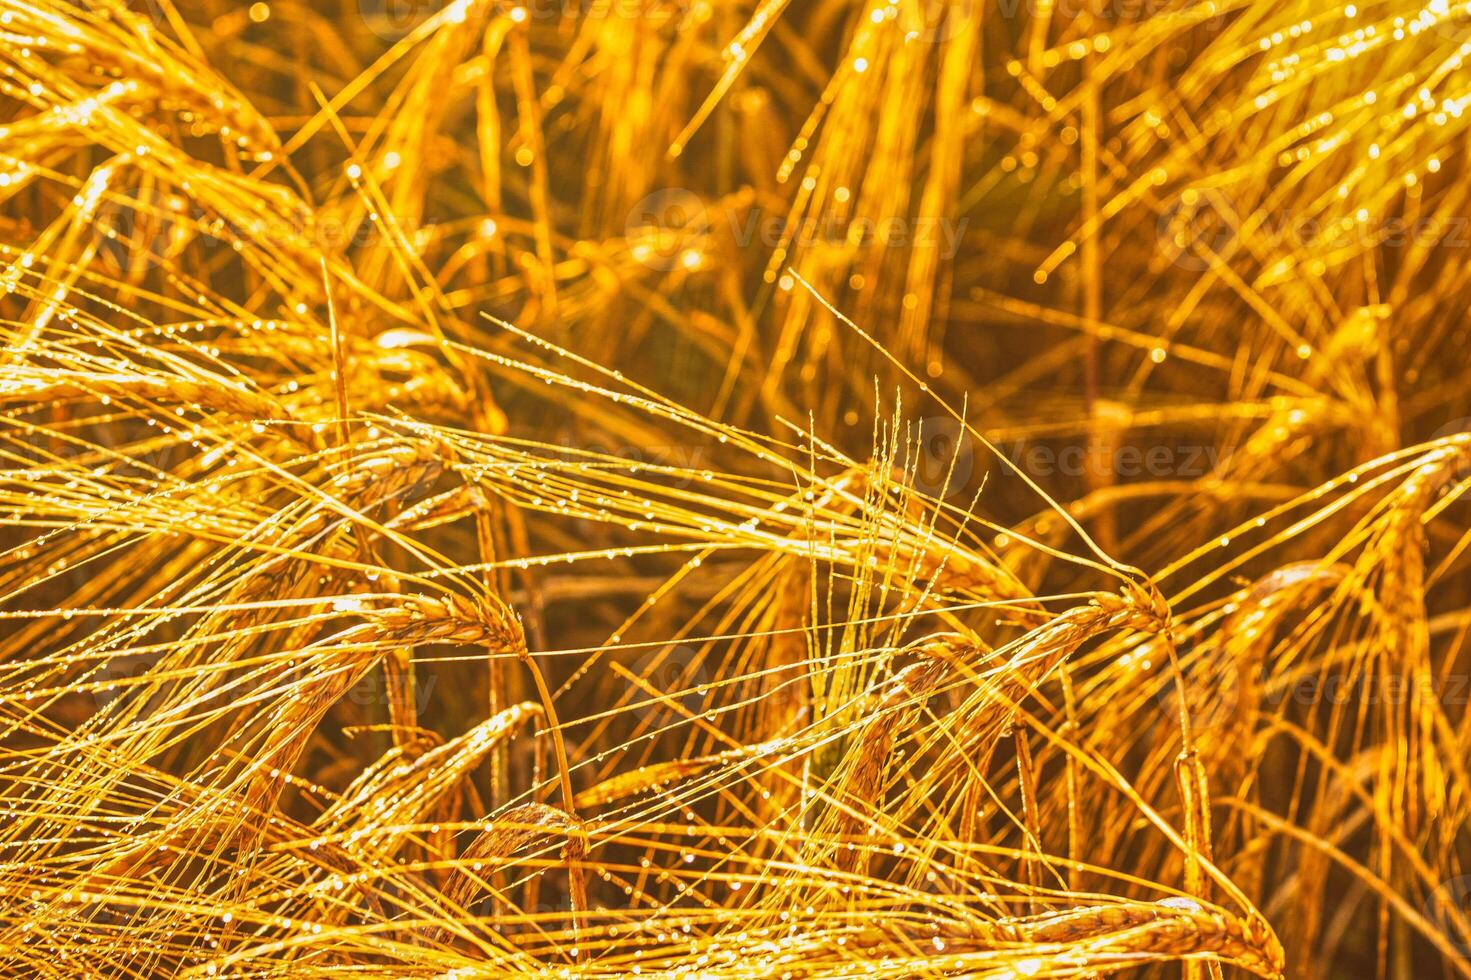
[[735, 488]]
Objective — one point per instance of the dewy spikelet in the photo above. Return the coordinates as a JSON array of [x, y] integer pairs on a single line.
[[448, 618]]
